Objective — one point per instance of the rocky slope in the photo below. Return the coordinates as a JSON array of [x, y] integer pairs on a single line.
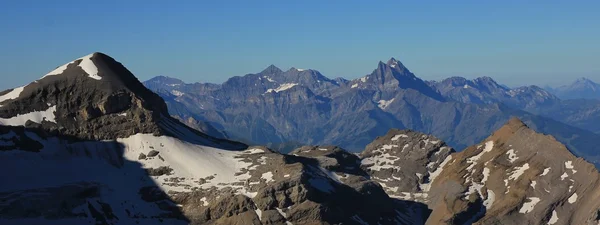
[[154, 170], [276, 107], [515, 176], [88, 143]]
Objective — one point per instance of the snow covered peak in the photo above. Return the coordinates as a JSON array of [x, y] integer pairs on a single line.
[[86, 63], [272, 69], [392, 62]]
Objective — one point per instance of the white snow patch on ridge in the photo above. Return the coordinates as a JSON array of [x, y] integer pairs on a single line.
[[89, 67], [268, 176], [569, 165], [563, 176], [177, 93], [12, 94], [528, 206], [86, 64], [473, 160], [59, 70], [37, 117], [395, 138], [282, 87], [435, 174], [512, 157], [573, 198], [554, 218], [515, 174], [384, 104], [546, 171]]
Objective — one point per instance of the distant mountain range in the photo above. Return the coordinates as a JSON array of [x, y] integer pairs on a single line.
[[302, 106], [582, 88], [88, 144]]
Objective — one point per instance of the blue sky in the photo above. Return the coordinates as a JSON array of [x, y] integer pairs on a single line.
[[538, 42]]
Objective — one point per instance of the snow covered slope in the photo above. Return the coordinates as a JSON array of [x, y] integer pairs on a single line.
[[88, 143]]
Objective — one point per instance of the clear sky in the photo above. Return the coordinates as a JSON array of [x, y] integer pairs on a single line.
[[539, 42]]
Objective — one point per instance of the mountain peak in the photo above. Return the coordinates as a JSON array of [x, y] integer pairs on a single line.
[[392, 62], [272, 69], [584, 80]]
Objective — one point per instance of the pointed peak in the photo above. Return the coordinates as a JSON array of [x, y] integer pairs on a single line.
[[394, 63], [511, 127], [272, 69], [584, 80], [515, 123]]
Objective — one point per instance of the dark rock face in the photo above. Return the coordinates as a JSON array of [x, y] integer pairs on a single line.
[[405, 163], [116, 105]]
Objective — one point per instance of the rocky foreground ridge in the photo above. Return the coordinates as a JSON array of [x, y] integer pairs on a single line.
[[88, 144]]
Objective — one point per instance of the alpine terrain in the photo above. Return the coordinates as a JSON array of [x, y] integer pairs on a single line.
[[286, 109], [89, 144]]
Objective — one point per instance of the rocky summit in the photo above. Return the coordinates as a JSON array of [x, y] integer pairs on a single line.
[[89, 144]]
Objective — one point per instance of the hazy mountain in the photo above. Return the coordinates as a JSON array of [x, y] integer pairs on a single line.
[[484, 90], [581, 88], [582, 113], [276, 106]]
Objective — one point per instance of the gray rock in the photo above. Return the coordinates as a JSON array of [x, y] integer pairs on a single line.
[[153, 153]]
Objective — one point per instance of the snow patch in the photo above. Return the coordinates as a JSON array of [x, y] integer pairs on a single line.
[[528, 206], [384, 104], [563, 176], [37, 117], [268, 176], [204, 202], [515, 174], [554, 218], [512, 156], [354, 86], [491, 197], [533, 183], [282, 87], [399, 136], [573, 198], [269, 79], [569, 165], [12, 94], [177, 93], [258, 213], [546, 171], [89, 67], [473, 160]]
